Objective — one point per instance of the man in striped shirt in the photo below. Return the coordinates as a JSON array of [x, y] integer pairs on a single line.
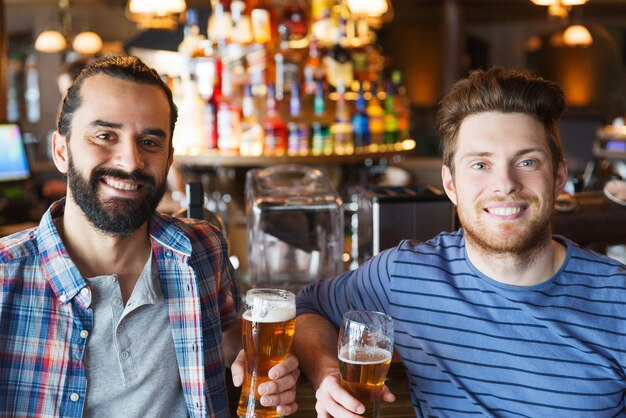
[[500, 318], [109, 309]]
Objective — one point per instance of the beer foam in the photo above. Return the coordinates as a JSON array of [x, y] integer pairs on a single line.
[[364, 355], [271, 313]]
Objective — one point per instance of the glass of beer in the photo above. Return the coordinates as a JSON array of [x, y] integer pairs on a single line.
[[268, 325], [365, 347]]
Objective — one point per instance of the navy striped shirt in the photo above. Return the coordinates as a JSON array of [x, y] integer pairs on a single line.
[[475, 347]]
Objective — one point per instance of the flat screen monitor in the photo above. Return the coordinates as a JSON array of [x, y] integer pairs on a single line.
[[13, 160]]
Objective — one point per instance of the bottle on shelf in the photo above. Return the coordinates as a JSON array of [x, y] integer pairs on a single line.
[[188, 135], [258, 52], [376, 116], [321, 140], [402, 104], [191, 46], [392, 134], [341, 129], [228, 116], [287, 66], [360, 123], [293, 21], [274, 127], [338, 63], [298, 132], [252, 134], [321, 21], [312, 70]]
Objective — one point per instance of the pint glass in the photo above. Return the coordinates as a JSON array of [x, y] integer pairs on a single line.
[[268, 325], [365, 347]]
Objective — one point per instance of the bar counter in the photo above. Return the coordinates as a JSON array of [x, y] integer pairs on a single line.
[[396, 381]]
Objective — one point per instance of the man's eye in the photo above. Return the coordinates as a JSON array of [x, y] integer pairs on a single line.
[[479, 166], [527, 163], [104, 136], [150, 143]]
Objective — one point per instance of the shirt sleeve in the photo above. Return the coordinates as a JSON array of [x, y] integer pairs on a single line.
[[366, 288], [229, 294]]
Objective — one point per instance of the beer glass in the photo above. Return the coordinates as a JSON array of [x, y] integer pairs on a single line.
[[365, 347], [268, 325]]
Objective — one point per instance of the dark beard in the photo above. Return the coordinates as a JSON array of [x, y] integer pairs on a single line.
[[114, 216]]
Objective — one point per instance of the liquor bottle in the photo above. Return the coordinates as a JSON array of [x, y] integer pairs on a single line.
[[252, 135], [321, 140], [258, 52], [360, 123], [298, 136], [293, 21], [228, 116], [287, 66], [274, 127], [402, 105], [392, 134], [376, 116], [188, 135], [191, 43], [312, 70], [338, 64], [341, 129], [321, 21]]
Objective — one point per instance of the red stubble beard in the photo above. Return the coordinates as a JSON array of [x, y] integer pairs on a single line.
[[519, 238]]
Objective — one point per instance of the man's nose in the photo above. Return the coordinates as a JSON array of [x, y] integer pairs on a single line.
[[506, 181], [128, 156]]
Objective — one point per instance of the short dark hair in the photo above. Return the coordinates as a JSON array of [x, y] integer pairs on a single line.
[[506, 91], [123, 67]]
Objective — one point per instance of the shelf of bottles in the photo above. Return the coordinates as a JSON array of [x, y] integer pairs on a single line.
[[286, 81]]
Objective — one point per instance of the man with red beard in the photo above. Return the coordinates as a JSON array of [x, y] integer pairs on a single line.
[[499, 318], [108, 308]]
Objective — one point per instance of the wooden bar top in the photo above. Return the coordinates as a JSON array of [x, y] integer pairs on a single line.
[[396, 381]]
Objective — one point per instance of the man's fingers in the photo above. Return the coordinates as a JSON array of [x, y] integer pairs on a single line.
[[284, 367], [387, 396], [280, 385], [237, 369]]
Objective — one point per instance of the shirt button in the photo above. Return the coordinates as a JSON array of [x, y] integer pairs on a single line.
[[117, 302], [112, 279], [63, 298], [120, 328], [85, 291], [125, 354], [169, 254], [74, 397], [84, 334]]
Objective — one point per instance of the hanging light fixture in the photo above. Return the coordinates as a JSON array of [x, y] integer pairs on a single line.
[[577, 35], [156, 14], [559, 8], [53, 41]]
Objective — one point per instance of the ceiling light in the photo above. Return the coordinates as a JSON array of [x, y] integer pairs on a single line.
[[577, 35], [50, 41], [87, 43], [156, 14], [562, 2]]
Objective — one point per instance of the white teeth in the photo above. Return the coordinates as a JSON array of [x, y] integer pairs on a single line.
[[505, 211], [120, 185]]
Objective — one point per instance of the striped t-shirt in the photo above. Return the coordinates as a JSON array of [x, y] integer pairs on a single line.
[[476, 347]]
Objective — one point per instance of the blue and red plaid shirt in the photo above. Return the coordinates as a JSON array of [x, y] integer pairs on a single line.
[[43, 314]]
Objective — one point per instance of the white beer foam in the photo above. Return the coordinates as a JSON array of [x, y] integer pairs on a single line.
[[376, 354], [270, 313]]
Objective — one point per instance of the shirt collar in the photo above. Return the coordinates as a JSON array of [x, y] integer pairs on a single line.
[[65, 279], [61, 272]]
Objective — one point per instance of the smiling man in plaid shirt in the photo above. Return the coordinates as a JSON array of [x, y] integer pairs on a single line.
[[108, 308]]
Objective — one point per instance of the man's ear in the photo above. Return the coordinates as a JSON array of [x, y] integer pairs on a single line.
[[448, 183], [560, 178], [59, 152]]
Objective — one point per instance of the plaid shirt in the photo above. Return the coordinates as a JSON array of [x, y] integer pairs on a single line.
[[44, 316]]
